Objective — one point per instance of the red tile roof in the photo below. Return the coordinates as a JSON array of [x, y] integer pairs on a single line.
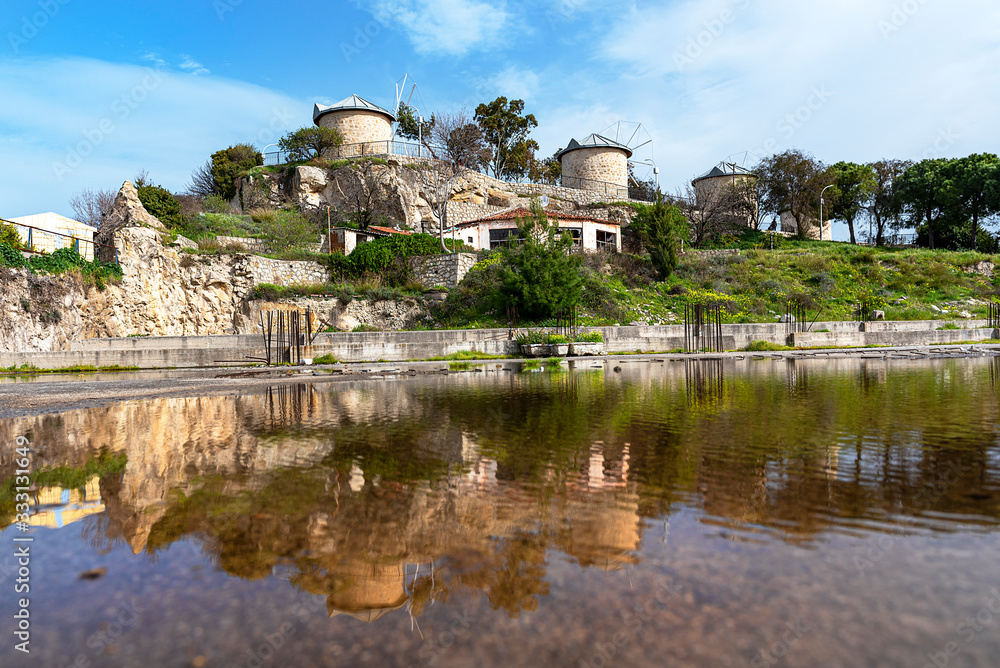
[[387, 230], [520, 212]]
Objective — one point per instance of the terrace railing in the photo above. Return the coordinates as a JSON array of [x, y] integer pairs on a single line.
[[38, 241]]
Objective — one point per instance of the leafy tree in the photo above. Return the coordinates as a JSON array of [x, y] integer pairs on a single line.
[[885, 206], [161, 203], [541, 276], [506, 129], [408, 123], [928, 196], [310, 142], [228, 165], [791, 182], [547, 171], [853, 187], [976, 180], [660, 226]]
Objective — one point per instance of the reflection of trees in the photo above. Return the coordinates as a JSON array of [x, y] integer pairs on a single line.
[[476, 479]]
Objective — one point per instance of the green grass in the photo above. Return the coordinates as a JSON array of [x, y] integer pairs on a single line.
[[466, 355], [765, 346], [829, 278], [325, 359]]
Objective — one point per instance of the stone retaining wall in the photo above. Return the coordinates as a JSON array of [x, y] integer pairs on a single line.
[[447, 270], [285, 272]]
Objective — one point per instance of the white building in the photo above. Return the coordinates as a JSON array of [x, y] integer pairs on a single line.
[[591, 234], [46, 232]]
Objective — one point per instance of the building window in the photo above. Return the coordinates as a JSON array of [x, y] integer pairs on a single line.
[[505, 237], [606, 241], [471, 241], [576, 232]]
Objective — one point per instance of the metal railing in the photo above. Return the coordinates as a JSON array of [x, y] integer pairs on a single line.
[[38, 241], [358, 150]]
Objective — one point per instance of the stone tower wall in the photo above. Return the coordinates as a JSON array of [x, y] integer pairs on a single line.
[[594, 165], [359, 126]]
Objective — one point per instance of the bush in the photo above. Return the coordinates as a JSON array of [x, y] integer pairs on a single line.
[[590, 337], [661, 227], [325, 359], [161, 203], [386, 256], [541, 276], [285, 230], [10, 256], [530, 337], [310, 142], [765, 346], [59, 261], [9, 235], [230, 164]]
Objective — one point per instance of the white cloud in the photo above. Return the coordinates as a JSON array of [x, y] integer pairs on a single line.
[[191, 65], [445, 27], [516, 83], [87, 123], [712, 80]]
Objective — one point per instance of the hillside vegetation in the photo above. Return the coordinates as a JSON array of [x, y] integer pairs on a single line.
[[756, 285]]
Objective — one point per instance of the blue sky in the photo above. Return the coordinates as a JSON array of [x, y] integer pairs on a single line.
[[95, 91]]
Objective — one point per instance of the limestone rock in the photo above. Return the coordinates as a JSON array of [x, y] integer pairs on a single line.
[[128, 211], [309, 183], [983, 268], [183, 242]]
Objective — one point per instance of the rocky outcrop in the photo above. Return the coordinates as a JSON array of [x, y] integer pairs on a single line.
[[163, 292], [127, 211], [413, 189]]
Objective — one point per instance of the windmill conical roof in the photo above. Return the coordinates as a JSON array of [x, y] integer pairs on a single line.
[[594, 141], [352, 103], [724, 169]]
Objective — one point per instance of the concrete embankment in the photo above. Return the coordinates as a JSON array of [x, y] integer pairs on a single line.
[[207, 351]]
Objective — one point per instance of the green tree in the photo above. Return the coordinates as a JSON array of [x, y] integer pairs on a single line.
[[228, 165], [928, 195], [791, 183], [161, 203], [661, 227], [853, 187], [547, 171], [541, 276], [409, 126], [310, 142], [506, 128], [885, 206], [976, 180]]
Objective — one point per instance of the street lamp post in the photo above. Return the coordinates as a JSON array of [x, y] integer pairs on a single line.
[[821, 212], [264, 150]]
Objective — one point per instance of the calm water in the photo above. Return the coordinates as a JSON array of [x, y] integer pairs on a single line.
[[756, 513]]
